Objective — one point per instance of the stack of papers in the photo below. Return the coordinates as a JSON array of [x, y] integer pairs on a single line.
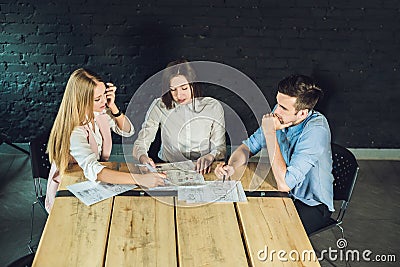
[[181, 177], [178, 174], [92, 192], [192, 187]]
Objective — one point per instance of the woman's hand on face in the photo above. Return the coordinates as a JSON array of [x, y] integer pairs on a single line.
[[110, 95], [146, 160], [203, 164], [151, 179]]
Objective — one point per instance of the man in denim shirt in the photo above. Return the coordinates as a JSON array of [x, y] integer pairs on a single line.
[[298, 141]]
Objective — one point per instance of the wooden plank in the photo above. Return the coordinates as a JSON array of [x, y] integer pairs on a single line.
[[142, 232], [255, 177], [74, 235], [273, 224], [209, 235]]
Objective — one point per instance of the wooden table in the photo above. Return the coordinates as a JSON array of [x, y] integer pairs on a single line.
[[148, 231]]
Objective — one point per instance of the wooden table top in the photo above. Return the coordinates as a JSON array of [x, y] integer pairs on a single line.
[[148, 231]]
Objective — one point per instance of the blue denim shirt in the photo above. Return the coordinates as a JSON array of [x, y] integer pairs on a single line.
[[306, 149]]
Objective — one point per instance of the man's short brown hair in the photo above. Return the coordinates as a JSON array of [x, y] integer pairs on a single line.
[[303, 88]]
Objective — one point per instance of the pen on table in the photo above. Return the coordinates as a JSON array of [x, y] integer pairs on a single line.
[[223, 177]]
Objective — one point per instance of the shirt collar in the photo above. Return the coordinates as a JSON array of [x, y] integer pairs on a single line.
[[299, 127], [198, 103]]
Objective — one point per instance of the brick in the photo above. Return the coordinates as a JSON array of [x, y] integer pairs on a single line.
[[50, 38], [109, 20], [78, 59], [226, 32], [58, 7], [27, 68], [49, 29], [391, 4], [123, 51], [104, 60], [20, 28], [74, 40], [10, 58], [13, 18], [10, 38], [54, 49], [39, 58], [80, 19], [88, 50], [17, 7], [211, 21], [38, 18]]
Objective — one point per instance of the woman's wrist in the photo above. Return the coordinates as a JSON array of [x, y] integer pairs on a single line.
[[117, 114], [114, 109]]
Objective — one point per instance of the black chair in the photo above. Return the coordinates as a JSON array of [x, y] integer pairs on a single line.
[[40, 170], [345, 171]]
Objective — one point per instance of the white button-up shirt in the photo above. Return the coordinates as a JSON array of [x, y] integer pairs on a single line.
[[81, 151], [185, 133]]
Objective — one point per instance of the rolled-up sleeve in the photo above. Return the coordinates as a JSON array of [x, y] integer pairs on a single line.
[[256, 141], [149, 130], [217, 138], [81, 151], [116, 129], [309, 148]]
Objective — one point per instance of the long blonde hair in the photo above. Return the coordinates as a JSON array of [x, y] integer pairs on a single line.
[[76, 109]]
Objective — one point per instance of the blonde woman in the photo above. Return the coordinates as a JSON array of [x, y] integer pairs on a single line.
[[192, 127], [81, 133]]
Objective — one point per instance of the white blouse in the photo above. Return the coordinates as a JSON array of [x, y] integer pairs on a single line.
[[81, 151], [185, 133]]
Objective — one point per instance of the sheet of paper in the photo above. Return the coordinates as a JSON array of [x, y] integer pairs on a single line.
[[178, 174], [91, 192], [213, 191], [184, 178], [177, 178], [187, 165]]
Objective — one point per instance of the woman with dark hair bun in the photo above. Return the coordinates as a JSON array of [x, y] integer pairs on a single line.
[[192, 126]]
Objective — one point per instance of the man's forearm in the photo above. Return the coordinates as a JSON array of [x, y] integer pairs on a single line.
[[277, 162], [239, 157]]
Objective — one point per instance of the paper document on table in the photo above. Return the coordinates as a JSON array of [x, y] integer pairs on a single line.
[[91, 192], [213, 191], [187, 165], [178, 174], [177, 178]]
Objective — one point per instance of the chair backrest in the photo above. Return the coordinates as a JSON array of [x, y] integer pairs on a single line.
[[345, 170], [39, 162], [39, 159]]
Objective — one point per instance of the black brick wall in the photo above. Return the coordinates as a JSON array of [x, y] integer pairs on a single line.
[[350, 47]]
